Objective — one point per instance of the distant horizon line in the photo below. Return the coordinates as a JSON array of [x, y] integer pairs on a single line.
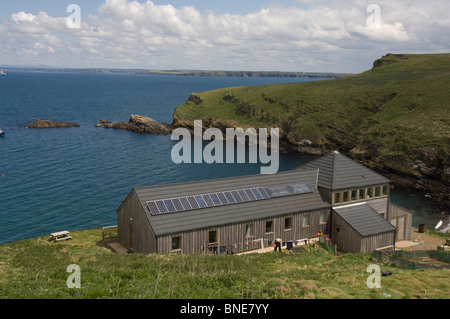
[[17, 68]]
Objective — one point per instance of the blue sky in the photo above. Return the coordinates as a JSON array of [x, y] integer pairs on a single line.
[[283, 35]]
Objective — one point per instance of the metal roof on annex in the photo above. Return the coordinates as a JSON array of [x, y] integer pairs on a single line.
[[364, 219]]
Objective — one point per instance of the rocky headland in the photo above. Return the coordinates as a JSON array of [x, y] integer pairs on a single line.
[[392, 118]]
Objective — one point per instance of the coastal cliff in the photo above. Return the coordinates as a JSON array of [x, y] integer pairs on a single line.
[[393, 118]]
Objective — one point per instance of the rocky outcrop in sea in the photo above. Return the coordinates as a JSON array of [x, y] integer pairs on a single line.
[[140, 124], [50, 124]]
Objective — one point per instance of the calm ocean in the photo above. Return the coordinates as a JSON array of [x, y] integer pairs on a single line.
[[76, 178]]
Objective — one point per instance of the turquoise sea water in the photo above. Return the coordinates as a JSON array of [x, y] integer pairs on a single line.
[[76, 178]]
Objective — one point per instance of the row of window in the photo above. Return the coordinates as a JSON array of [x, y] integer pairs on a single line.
[[249, 229], [360, 194]]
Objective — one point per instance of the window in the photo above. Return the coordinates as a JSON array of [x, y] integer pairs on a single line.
[[385, 190], [369, 192], [305, 220], [377, 191], [249, 230], [176, 243], [354, 195], [345, 197], [337, 198], [212, 237], [288, 223], [362, 194], [269, 226], [323, 217]]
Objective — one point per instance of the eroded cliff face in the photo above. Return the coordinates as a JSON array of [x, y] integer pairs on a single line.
[[426, 170]]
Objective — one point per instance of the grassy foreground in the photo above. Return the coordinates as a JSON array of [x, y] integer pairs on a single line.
[[36, 268]]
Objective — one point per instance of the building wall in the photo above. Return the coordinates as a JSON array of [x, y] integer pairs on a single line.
[[380, 205], [134, 231], [350, 241], [344, 236], [370, 243], [233, 237], [395, 212]]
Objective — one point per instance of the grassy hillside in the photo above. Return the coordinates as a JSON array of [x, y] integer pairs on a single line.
[[36, 268], [396, 115]]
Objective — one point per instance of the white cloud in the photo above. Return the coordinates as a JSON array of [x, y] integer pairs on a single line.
[[315, 36]]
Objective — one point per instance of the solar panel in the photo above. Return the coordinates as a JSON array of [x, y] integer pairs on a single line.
[[200, 201], [176, 202], [230, 197], [225, 198], [263, 192], [243, 195], [184, 201], [153, 208], [222, 198], [300, 188], [257, 193], [278, 191], [193, 202], [236, 196], [250, 194], [161, 207], [169, 205], [215, 199], [208, 200]]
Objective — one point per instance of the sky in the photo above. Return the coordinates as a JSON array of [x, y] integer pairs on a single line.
[[342, 36]]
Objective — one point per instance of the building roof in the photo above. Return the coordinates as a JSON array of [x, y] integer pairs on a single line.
[[171, 223], [337, 171], [364, 219]]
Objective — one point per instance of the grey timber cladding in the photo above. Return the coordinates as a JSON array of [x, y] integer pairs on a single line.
[[230, 214], [363, 219], [337, 171]]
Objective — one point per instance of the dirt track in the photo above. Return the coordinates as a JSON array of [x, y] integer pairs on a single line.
[[424, 241]]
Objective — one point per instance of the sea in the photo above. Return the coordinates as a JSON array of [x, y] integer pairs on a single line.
[[76, 178]]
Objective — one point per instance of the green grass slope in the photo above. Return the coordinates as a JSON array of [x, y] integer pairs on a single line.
[[396, 115], [37, 268]]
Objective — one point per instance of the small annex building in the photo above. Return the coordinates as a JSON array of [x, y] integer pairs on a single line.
[[362, 216], [333, 195]]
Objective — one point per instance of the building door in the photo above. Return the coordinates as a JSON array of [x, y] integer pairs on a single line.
[[401, 228], [336, 230], [131, 232], [399, 224]]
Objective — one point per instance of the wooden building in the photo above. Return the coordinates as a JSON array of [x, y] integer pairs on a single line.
[[363, 218], [238, 214], [359, 228]]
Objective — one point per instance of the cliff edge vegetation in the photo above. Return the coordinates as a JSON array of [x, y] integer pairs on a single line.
[[394, 117]]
